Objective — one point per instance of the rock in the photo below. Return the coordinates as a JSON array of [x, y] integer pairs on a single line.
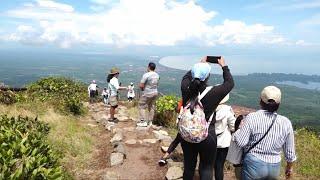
[[119, 148], [92, 125], [124, 119], [164, 148], [130, 129], [159, 135], [174, 173], [166, 142], [163, 132], [138, 128], [116, 130], [117, 138], [110, 175], [174, 163], [116, 159], [155, 127], [131, 141], [151, 141], [109, 127]]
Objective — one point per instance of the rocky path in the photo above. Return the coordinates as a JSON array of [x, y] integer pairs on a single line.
[[124, 151]]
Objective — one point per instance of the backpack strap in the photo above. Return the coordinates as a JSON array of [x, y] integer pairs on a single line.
[[204, 93]]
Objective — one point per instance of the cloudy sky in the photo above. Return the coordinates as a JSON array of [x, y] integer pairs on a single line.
[[67, 24]]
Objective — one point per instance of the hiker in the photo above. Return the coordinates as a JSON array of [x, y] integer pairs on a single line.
[[131, 93], [193, 83], [235, 152], [92, 90], [224, 125], [113, 84], [149, 87], [263, 135], [105, 95]]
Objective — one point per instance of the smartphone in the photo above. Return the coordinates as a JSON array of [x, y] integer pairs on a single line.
[[213, 59]]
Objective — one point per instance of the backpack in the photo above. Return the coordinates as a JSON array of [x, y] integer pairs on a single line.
[[193, 128]]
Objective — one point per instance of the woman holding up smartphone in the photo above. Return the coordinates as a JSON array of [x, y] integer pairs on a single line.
[[193, 83]]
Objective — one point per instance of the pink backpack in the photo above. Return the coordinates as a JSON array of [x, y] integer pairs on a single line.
[[193, 128]]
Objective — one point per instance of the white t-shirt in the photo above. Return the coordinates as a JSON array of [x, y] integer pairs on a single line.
[[114, 86], [92, 87], [131, 91]]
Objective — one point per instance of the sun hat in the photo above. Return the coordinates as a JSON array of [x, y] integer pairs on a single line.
[[131, 83], [114, 70], [201, 71], [271, 92], [93, 81], [225, 99]]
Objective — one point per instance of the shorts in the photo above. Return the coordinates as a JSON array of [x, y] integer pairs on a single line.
[[92, 94], [113, 100]]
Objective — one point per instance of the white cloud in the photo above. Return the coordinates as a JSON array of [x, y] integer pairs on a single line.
[[102, 2], [139, 22], [286, 5]]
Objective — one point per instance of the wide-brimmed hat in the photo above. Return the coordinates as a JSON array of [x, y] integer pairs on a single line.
[[114, 70], [271, 93], [225, 99], [201, 71], [93, 81], [131, 83]]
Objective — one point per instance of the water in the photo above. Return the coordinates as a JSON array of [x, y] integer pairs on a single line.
[[309, 85], [246, 64]]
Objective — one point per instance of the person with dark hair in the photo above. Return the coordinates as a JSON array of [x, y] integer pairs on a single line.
[[263, 135], [114, 86], [149, 87], [193, 83]]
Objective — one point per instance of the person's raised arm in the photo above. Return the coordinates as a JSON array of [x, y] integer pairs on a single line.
[[216, 94]]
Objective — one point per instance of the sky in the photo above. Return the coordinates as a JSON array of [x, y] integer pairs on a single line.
[[186, 26]]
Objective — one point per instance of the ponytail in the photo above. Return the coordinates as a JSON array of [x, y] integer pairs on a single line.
[[109, 77], [194, 89]]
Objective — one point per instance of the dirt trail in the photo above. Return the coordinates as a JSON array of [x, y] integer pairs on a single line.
[[141, 149]]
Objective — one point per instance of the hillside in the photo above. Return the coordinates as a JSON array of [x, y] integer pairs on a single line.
[[78, 137]]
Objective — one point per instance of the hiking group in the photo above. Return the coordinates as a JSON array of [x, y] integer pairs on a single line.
[[208, 129]]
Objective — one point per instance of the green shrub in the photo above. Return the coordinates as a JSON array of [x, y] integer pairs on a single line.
[[8, 97], [24, 152], [65, 94], [166, 110]]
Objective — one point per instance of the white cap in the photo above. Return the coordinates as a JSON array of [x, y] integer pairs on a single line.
[[271, 92]]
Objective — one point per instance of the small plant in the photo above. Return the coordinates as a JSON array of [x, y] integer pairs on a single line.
[[24, 152], [166, 110]]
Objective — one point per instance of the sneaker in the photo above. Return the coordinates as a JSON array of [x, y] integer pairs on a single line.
[[162, 162], [114, 120], [142, 123]]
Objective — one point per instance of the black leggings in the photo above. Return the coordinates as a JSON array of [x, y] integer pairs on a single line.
[[207, 151], [219, 163]]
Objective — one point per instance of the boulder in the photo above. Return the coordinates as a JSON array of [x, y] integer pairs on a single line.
[[151, 141], [117, 138], [174, 173], [161, 135], [164, 148], [119, 148], [166, 142], [155, 127], [131, 141], [116, 159], [110, 175]]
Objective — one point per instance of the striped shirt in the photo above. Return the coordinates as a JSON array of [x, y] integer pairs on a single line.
[[280, 137]]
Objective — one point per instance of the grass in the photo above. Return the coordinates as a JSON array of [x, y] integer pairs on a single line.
[[67, 135]]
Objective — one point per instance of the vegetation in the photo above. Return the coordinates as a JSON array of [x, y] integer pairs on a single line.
[[24, 151], [307, 147], [64, 94], [166, 110]]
